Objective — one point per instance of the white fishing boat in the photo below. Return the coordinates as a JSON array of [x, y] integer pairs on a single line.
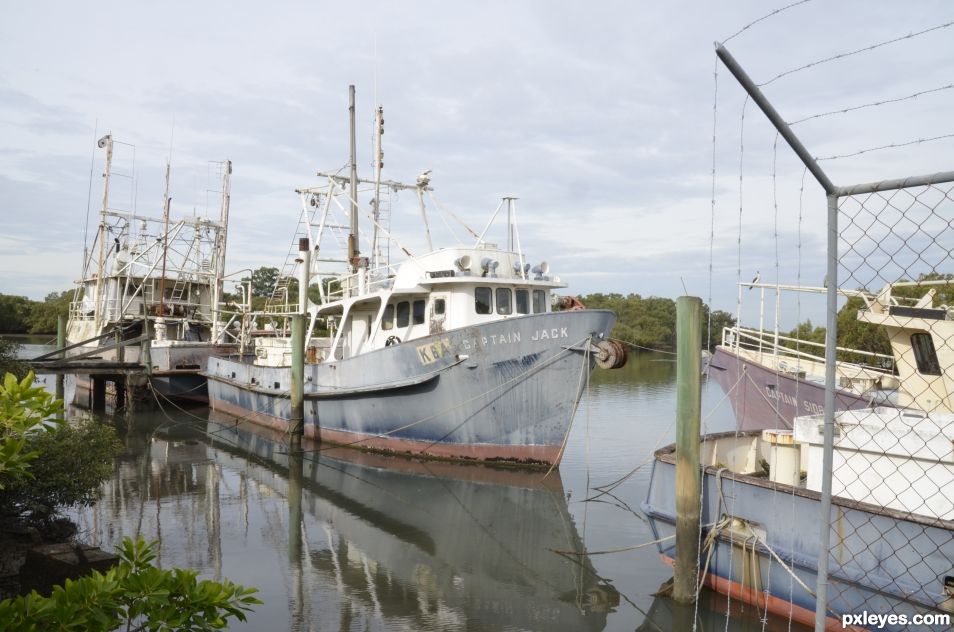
[[457, 353], [771, 379], [157, 279], [891, 478]]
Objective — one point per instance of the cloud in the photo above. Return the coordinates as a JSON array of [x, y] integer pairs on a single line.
[[598, 117]]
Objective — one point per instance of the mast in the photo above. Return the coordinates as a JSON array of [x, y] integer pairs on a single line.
[[165, 243], [378, 166], [353, 250], [107, 142], [221, 240]]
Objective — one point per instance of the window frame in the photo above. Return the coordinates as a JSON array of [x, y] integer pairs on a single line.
[[521, 291], [489, 302], [418, 311], [925, 354], [402, 320], [541, 296], [506, 304]]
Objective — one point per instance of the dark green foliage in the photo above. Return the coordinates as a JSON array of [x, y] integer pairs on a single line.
[[263, 281], [20, 315], [651, 322], [10, 361], [134, 595], [43, 316], [14, 314], [73, 461], [854, 334]]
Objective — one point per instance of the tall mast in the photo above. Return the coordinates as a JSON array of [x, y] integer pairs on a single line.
[[378, 166], [353, 250], [221, 239], [165, 243], [107, 142]]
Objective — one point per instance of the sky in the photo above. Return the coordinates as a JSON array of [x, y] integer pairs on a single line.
[[599, 116]]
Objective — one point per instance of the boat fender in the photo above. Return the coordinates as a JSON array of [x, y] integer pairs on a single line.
[[392, 340]]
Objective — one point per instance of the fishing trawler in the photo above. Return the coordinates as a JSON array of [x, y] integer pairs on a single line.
[[456, 353], [891, 476], [771, 379], [154, 279], [892, 468]]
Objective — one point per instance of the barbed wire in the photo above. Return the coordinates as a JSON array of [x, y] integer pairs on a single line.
[[764, 17], [872, 104], [856, 52], [890, 146]]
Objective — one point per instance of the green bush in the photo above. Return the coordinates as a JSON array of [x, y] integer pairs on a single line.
[[135, 595], [73, 461], [27, 413], [10, 359]]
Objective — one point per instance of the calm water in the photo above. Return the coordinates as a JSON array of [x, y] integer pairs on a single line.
[[341, 540]]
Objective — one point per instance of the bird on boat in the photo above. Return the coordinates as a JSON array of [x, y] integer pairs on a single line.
[[755, 279]]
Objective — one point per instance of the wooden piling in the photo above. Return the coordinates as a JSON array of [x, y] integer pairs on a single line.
[[688, 414], [99, 393], [295, 470], [297, 420], [60, 343]]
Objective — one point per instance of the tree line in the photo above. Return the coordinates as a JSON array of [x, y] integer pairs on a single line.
[[20, 315], [651, 322]]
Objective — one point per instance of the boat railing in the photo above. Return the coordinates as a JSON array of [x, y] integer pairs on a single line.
[[772, 344], [351, 285]]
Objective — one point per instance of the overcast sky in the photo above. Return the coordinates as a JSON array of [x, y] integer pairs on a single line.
[[597, 115]]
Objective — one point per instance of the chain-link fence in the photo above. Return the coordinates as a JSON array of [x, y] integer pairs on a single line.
[[883, 473], [892, 471]]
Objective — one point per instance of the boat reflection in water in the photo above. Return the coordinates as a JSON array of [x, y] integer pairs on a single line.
[[340, 538]]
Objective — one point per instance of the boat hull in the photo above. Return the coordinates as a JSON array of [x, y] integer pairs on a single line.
[[499, 391], [870, 565], [763, 399]]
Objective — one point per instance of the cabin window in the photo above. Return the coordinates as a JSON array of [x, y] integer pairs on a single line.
[[387, 322], [419, 312], [539, 301], [439, 306], [403, 313], [925, 354], [483, 300], [523, 301], [504, 305]]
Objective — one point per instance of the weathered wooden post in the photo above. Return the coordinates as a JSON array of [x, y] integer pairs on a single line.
[[688, 412], [295, 468], [297, 420], [99, 393], [60, 343]]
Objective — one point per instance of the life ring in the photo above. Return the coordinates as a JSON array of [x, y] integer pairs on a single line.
[[392, 340]]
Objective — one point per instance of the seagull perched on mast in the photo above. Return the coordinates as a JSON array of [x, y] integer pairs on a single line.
[[755, 279]]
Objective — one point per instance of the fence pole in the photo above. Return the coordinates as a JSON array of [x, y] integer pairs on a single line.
[[831, 335], [297, 420], [688, 414]]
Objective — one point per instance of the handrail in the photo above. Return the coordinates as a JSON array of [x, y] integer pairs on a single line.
[[754, 339]]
